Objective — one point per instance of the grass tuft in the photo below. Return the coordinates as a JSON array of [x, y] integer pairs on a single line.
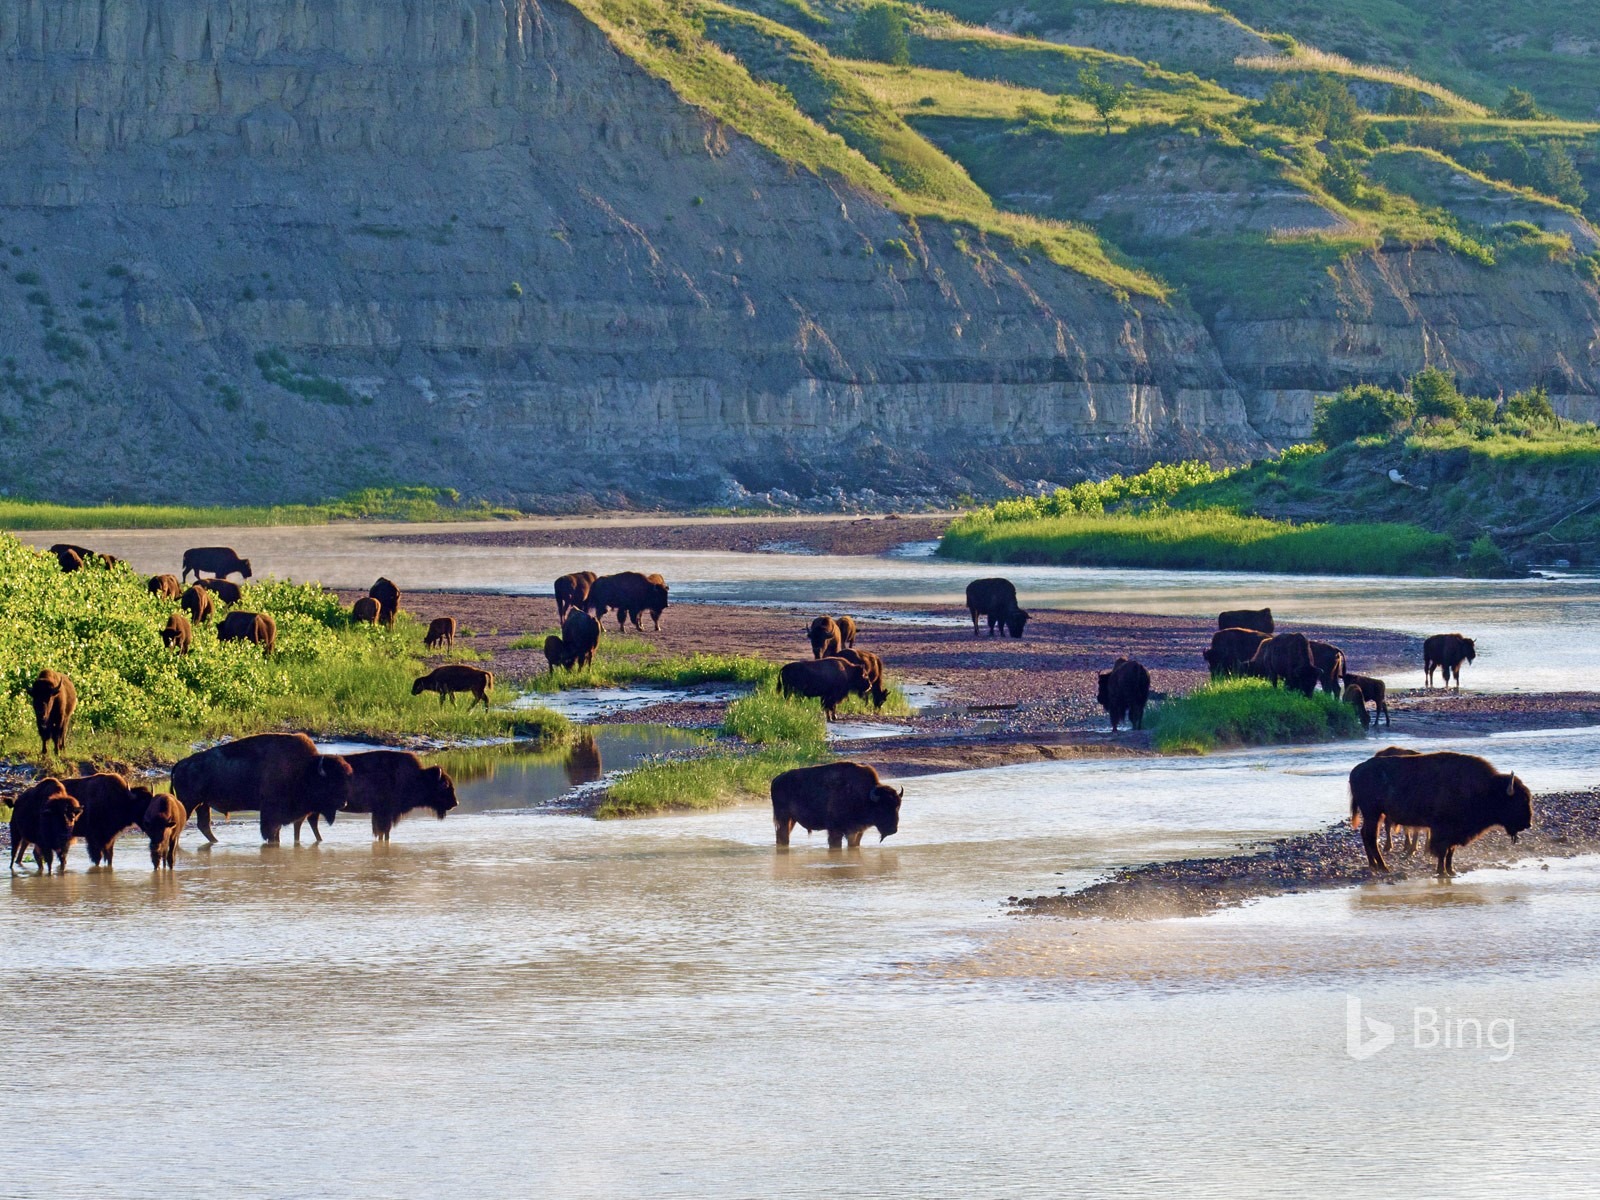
[[1248, 712]]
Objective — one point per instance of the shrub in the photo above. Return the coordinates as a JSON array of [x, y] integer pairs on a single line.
[[1359, 412], [1532, 406], [1485, 560], [882, 34], [1519, 105], [1435, 395]]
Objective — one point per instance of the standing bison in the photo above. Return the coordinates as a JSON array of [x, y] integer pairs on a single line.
[[847, 631], [162, 822], [225, 591], [54, 701], [628, 593], [388, 598], [872, 666], [580, 638], [572, 591], [1286, 658], [995, 599], [555, 654], [1374, 692], [1231, 650], [823, 634], [1447, 651], [279, 775], [43, 817], [1455, 797], [213, 560], [1356, 699], [441, 632], [241, 626], [1258, 619], [177, 633], [1124, 692], [109, 806], [390, 783], [456, 677], [829, 680], [844, 798], [365, 611], [197, 603], [1330, 666]]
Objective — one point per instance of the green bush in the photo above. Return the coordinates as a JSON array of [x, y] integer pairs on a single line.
[[1532, 406], [1249, 712], [883, 34], [1160, 482], [1434, 393], [1360, 412], [1485, 560]]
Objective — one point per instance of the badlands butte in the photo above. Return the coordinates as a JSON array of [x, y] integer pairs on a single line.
[[568, 254]]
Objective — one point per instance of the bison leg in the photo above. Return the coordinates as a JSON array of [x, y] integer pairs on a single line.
[[1369, 838], [782, 827], [974, 613], [835, 839], [270, 830], [202, 821], [854, 839]]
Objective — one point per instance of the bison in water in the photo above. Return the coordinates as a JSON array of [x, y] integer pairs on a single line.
[[43, 817], [572, 591], [1330, 666], [847, 631], [167, 587], [177, 633], [279, 775], [109, 806], [162, 822], [844, 798], [823, 634], [214, 560], [225, 590], [441, 632], [241, 626], [390, 783], [629, 593], [365, 611], [388, 598], [1449, 651], [197, 603], [995, 599], [1258, 619], [456, 677], [872, 666], [580, 635], [1455, 797], [1286, 658], [1124, 692], [829, 680], [1231, 651], [54, 701], [1373, 691]]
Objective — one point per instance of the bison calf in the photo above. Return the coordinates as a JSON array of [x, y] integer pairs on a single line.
[[177, 633], [555, 653], [241, 626], [1357, 700], [441, 632], [365, 611], [225, 590], [1373, 691], [198, 604], [844, 798], [43, 817], [456, 677], [1124, 692], [823, 634], [54, 701], [165, 586], [162, 822], [872, 666]]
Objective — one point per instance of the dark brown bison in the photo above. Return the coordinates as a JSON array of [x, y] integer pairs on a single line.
[[109, 806], [1286, 658], [1258, 619], [198, 604], [214, 560], [872, 666], [390, 783], [177, 633], [1410, 834], [166, 586], [162, 822], [572, 591], [829, 680], [441, 632], [453, 678], [995, 599], [241, 626], [388, 598], [1455, 797], [580, 635], [1357, 699], [847, 631], [224, 590], [54, 701], [628, 593], [658, 601], [365, 611], [844, 798], [43, 817], [1231, 651], [1124, 691], [279, 775], [70, 560], [555, 653], [1373, 692], [823, 634], [1449, 651], [85, 555], [1330, 666]]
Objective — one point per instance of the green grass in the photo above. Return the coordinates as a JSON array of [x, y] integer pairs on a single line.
[[765, 717], [1248, 712], [712, 781], [368, 504], [627, 660]]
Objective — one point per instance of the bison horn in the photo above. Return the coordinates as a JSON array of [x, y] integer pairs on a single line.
[[900, 795], [1511, 785]]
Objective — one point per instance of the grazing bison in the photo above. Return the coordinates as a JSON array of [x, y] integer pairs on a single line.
[[872, 666], [109, 806], [85, 555], [279, 775], [1124, 691], [1449, 651], [847, 631], [1258, 619], [162, 822], [1356, 698], [1231, 650], [1286, 658], [555, 653], [54, 701], [844, 798], [225, 590], [580, 635], [456, 677], [997, 600], [70, 560], [1373, 691], [441, 632], [388, 598], [241, 626], [829, 680], [197, 603], [572, 591], [177, 633], [43, 817], [213, 560], [823, 634], [365, 611], [1455, 797], [1330, 666], [629, 593], [166, 586], [390, 783]]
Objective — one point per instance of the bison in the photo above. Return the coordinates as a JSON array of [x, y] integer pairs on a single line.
[[279, 775], [441, 632], [580, 635], [241, 626], [162, 822], [829, 680], [1449, 651], [218, 561], [69, 559], [1330, 666], [872, 666], [1356, 698], [1258, 619], [1124, 691], [997, 600], [456, 677], [844, 798], [823, 634], [225, 590], [1286, 658], [1455, 797], [555, 653], [43, 817], [658, 601], [390, 783], [388, 598], [54, 701], [364, 611], [168, 587], [629, 593], [197, 603], [109, 806], [847, 631], [572, 591], [177, 633], [1231, 650], [1373, 691]]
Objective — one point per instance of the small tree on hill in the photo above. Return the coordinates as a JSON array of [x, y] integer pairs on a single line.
[[883, 34], [1104, 97], [1519, 106], [1359, 412], [1533, 406], [1435, 395]]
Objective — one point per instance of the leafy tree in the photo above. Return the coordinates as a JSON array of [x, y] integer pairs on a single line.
[[1405, 102], [1519, 106], [883, 34], [1559, 175], [1533, 406], [1103, 96], [1360, 411], [1435, 395], [1317, 105]]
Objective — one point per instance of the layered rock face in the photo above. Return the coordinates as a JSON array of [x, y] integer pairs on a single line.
[[262, 249]]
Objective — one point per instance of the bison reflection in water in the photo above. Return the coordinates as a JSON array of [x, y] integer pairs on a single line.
[[582, 764]]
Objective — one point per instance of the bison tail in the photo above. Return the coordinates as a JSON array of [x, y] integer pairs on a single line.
[[1355, 811]]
